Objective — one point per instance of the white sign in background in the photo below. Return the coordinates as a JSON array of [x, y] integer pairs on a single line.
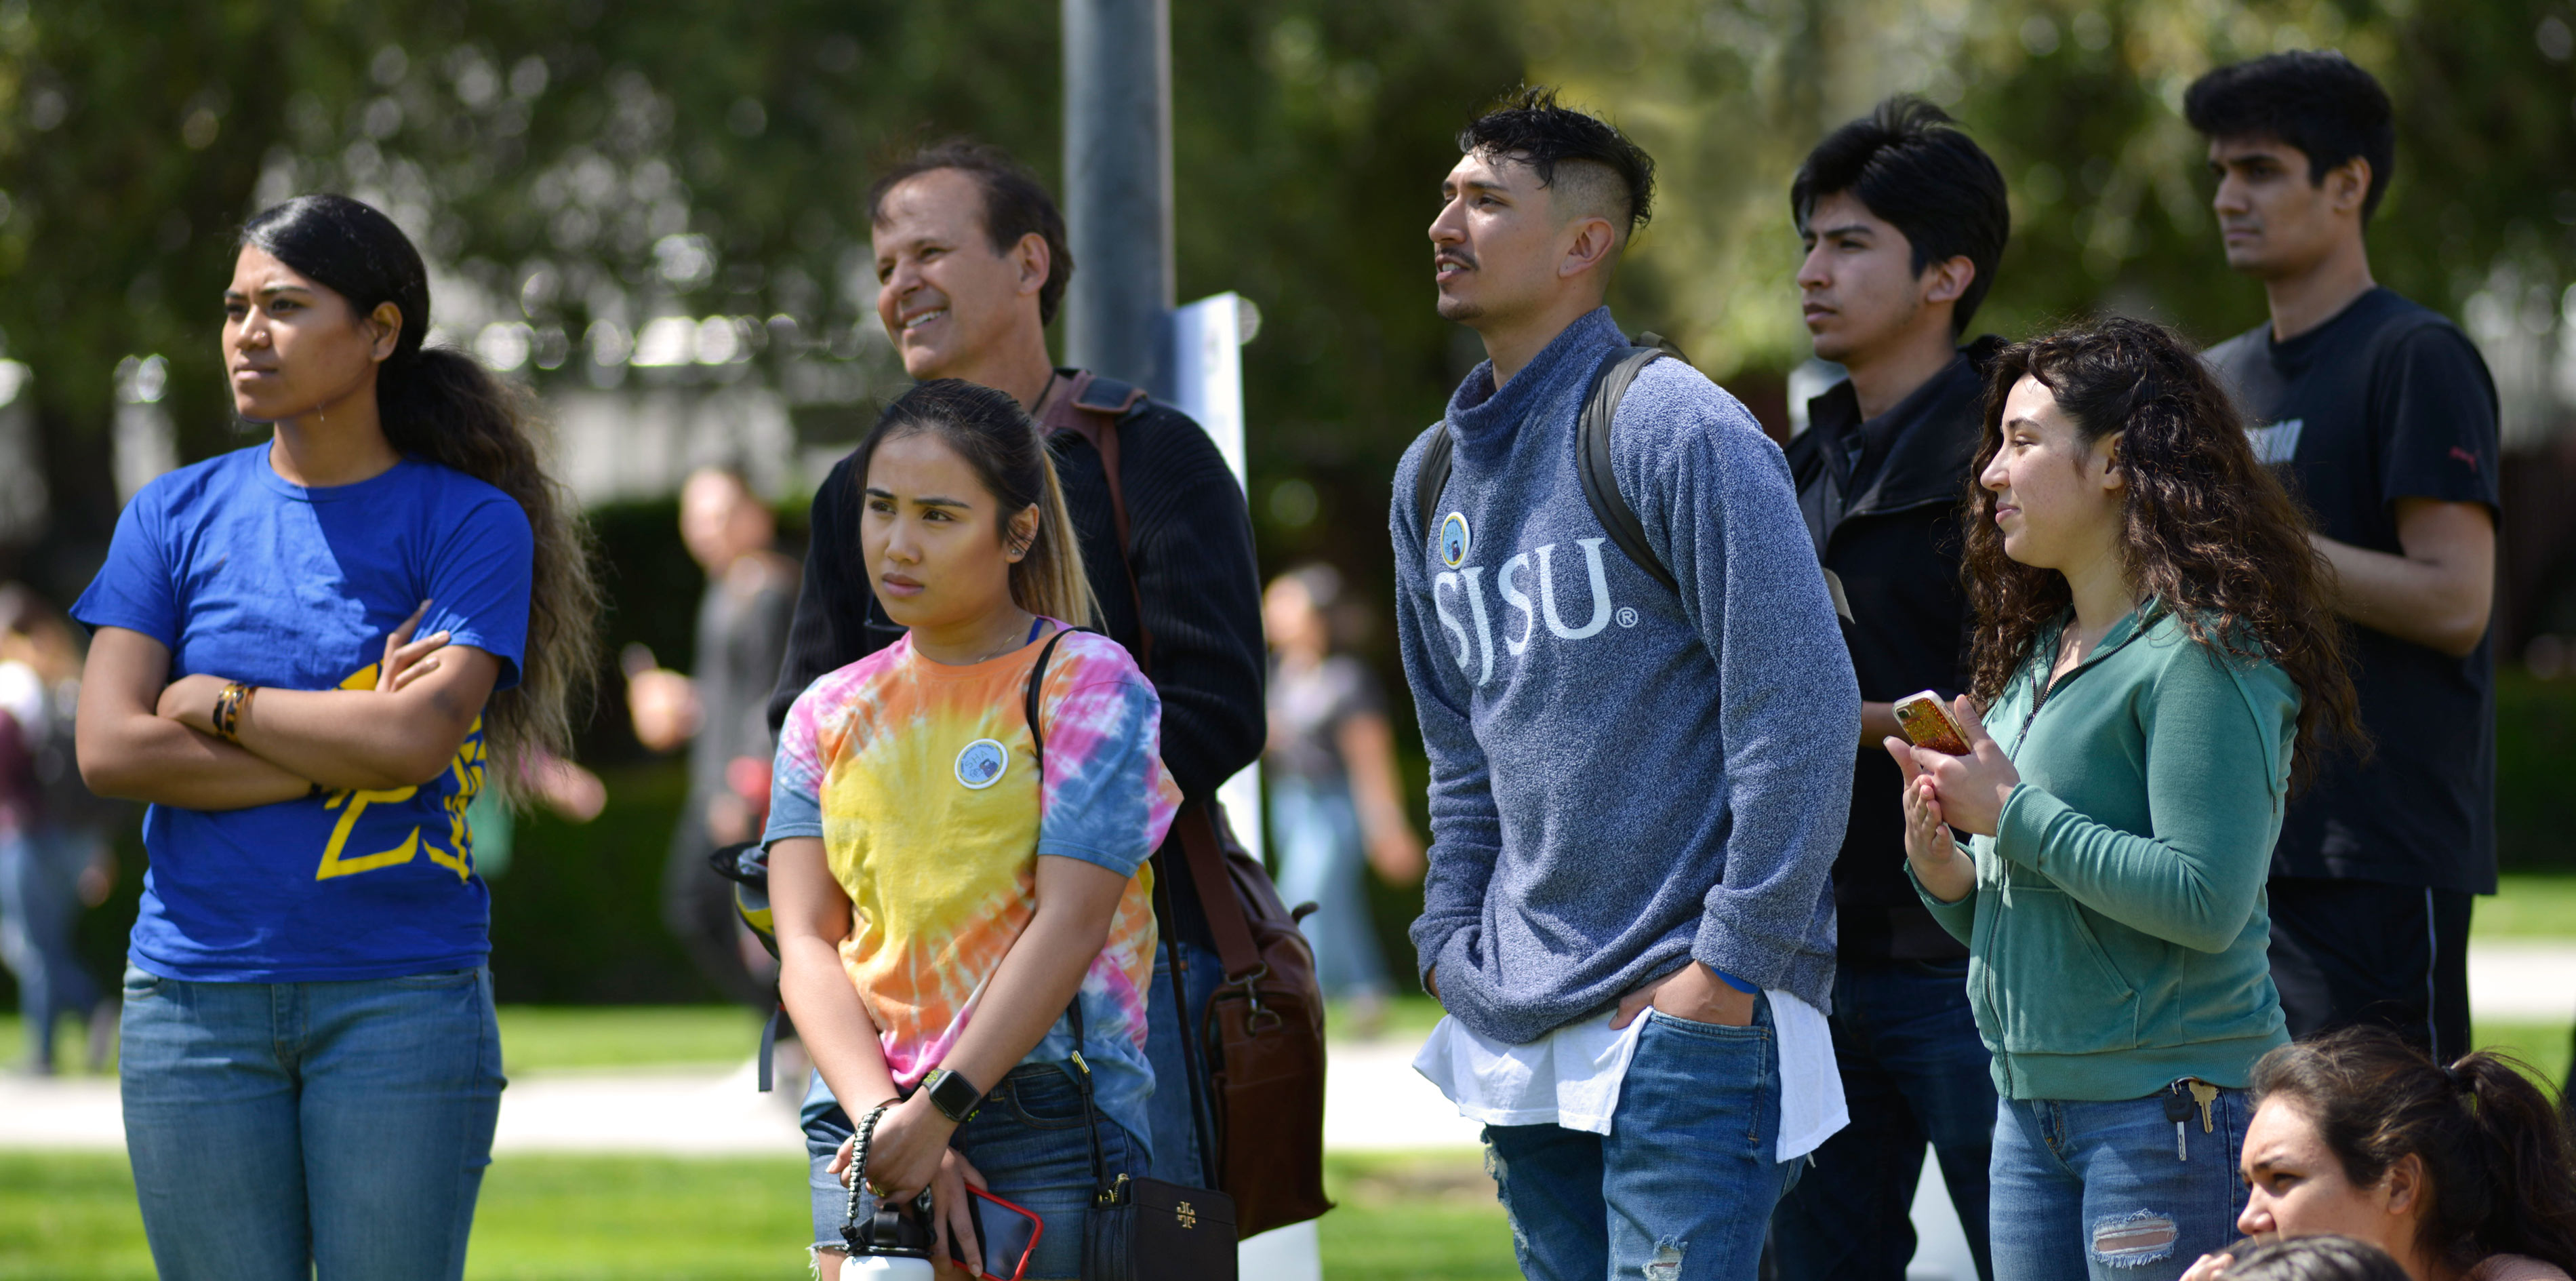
[[1207, 384]]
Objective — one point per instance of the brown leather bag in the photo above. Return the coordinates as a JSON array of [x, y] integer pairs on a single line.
[[1265, 1028]]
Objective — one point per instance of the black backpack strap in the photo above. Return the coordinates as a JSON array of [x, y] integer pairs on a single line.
[[1029, 702], [1601, 485], [1433, 478]]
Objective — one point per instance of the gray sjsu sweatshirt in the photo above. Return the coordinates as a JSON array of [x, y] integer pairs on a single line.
[[1622, 779]]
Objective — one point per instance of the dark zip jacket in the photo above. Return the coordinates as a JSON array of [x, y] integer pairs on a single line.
[[1887, 523]]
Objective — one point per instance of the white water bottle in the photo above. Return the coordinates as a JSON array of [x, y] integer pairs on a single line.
[[877, 1267]]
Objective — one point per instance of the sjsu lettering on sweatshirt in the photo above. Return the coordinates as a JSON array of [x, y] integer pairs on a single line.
[[1520, 616]]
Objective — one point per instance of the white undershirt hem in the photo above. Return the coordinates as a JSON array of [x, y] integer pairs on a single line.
[[1571, 1077]]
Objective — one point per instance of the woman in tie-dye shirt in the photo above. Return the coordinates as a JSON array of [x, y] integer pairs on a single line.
[[946, 882]]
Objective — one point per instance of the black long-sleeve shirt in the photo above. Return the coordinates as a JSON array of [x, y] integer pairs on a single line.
[[1190, 543]]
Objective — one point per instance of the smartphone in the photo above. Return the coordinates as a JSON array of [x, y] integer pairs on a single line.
[[1927, 721], [1007, 1234]]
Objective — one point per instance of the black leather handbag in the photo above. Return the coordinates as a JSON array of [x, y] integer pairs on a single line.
[[1147, 1229]]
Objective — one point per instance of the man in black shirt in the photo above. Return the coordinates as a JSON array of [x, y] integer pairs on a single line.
[[1904, 218], [971, 262], [2382, 417]]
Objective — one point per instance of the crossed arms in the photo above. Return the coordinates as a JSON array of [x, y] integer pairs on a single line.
[[142, 736]]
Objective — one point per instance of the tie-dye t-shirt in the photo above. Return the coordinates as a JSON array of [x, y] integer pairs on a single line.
[[919, 779]]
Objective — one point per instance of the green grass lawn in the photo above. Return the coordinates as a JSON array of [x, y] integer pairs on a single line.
[[71, 1217], [546, 1038], [2527, 908]]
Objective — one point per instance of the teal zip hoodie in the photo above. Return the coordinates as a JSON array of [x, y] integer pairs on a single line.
[[2118, 934]]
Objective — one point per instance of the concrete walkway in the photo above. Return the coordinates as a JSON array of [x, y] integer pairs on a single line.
[[1374, 1102]]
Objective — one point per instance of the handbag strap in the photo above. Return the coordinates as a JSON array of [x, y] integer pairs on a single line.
[[1029, 707], [1095, 419], [1200, 1113], [1196, 826], [1104, 1192]]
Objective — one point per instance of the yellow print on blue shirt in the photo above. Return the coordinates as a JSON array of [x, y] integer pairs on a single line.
[[467, 772]]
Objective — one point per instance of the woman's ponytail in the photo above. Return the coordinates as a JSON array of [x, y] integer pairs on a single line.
[[1049, 580], [2524, 1147], [441, 405], [444, 407]]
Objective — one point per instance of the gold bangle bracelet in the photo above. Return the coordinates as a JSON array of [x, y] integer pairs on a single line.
[[227, 713]]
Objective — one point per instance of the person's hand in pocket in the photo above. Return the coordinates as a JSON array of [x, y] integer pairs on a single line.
[[1693, 992]]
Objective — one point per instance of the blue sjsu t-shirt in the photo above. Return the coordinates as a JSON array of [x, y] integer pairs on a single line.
[[250, 578]]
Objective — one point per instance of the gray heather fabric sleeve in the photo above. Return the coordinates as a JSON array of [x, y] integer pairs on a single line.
[[1719, 508], [1466, 828]]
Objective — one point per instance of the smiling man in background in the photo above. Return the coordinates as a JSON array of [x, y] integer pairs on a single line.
[[2381, 416], [971, 263]]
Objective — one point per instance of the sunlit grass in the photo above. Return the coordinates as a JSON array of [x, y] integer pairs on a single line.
[[2527, 909], [71, 1217], [544, 1038]]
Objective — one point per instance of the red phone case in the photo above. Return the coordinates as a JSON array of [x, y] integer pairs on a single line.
[[1037, 1231]]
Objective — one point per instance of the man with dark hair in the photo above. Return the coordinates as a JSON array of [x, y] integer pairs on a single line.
[[971, 262], [1627, 917], [1903, 218], [2383, 418]]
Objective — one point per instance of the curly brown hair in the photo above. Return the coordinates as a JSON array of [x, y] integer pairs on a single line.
[[2207, 531]]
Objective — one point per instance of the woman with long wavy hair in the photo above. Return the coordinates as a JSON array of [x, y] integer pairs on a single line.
[[310, 656], [2155, 656]]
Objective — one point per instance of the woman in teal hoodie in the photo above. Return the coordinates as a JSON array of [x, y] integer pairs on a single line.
[[2155, 655]]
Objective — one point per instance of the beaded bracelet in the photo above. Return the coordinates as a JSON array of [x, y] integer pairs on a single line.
[[863, 1134]]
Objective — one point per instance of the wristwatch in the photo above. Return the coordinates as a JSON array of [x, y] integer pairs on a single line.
[[954, 1095]]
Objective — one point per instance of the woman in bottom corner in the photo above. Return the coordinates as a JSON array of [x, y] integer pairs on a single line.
[[2158, 669], [2458, 1172]]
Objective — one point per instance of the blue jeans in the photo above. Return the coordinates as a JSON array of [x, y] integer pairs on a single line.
[[1028, 1143], [39, 905], [1175, 1139], [1321, 862], [2097, 1189], [289, 1130], [1682, 1186], [1914, 1071]]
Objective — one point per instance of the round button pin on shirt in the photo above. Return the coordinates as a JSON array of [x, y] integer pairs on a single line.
[[982, 763]]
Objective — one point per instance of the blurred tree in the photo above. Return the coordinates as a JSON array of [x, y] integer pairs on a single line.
[[578, 168], [2081, 105]]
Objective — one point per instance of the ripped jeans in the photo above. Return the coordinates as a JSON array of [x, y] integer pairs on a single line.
[[2097, 1189], [1682, 1187]]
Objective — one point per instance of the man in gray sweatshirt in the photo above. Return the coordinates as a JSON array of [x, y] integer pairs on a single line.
[[1637, 792]]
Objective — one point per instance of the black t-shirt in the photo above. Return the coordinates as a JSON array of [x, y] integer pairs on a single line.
[[2388, 400]]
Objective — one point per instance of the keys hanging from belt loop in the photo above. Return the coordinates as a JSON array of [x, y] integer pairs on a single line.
[[2204, 1094], [2178, 1111]]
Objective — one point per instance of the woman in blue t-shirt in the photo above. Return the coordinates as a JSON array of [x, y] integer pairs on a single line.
[[310, 655]]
